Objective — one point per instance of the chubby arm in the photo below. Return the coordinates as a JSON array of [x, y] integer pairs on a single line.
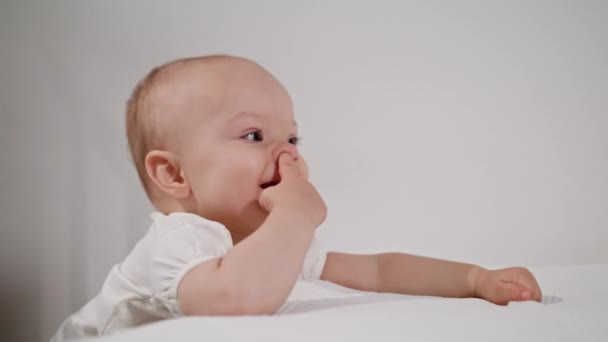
[[254, 277], [417, 275], [257, 275]]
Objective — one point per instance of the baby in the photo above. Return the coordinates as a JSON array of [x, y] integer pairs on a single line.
[[214, 140]]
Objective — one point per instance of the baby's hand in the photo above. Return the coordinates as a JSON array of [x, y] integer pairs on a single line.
[[294, 194], [505, 285]]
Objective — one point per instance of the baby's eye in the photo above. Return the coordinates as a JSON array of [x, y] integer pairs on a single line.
[[294, 141], [253, 136]]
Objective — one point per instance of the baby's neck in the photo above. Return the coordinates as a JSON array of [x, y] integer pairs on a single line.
[[168, 205], [237, 237]]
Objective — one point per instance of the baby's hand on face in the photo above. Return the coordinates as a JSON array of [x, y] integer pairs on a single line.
[[505, 285], [294, 194]]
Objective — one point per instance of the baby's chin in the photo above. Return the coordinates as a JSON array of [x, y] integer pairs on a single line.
[[250, 220], [259, 215]]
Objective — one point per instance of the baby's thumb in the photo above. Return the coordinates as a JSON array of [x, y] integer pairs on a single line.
[[507, 292]]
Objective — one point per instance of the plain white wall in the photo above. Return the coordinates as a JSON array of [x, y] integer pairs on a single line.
[[470, 130]]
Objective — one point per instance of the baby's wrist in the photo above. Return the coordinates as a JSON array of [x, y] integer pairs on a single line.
[[474, 279], [295, 217]]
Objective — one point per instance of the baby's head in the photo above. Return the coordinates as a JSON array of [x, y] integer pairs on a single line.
[[205, 135]]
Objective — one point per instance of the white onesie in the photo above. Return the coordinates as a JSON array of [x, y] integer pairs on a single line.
[[143, 288]]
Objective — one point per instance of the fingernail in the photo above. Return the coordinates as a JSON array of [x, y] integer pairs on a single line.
[[525, 295]]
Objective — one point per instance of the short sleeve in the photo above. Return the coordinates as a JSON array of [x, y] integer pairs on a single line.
[[177, 250], [314, 262]]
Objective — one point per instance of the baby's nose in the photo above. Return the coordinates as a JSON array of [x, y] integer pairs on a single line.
[[285, 148]]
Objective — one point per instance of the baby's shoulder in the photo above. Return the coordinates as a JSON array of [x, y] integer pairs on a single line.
[[187, 231], [184, 223]]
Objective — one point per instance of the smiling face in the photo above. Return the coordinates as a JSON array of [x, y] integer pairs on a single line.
[[229, 141]]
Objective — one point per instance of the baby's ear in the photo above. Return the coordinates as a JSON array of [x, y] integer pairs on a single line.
[[165, 171]]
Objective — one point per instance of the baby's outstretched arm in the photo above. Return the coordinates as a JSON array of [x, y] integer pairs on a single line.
[[416, 275], [257, 275]]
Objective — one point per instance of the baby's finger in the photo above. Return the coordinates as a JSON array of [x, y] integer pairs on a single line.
[[528, 281], [534, 289], [265, 199], [287, 166], [536, 294], [507, 292]]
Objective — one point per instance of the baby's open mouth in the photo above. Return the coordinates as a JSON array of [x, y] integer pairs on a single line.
[[276, 179], [269, 184]]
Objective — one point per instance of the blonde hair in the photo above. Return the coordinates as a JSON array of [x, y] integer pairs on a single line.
[[142, 114]]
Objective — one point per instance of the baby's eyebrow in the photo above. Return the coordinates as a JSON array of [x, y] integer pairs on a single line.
[[244, 115], [255, 115]]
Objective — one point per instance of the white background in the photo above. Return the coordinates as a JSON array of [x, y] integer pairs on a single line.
[[469, 130]]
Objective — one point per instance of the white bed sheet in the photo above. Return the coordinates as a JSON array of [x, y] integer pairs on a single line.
[[575, 308]]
